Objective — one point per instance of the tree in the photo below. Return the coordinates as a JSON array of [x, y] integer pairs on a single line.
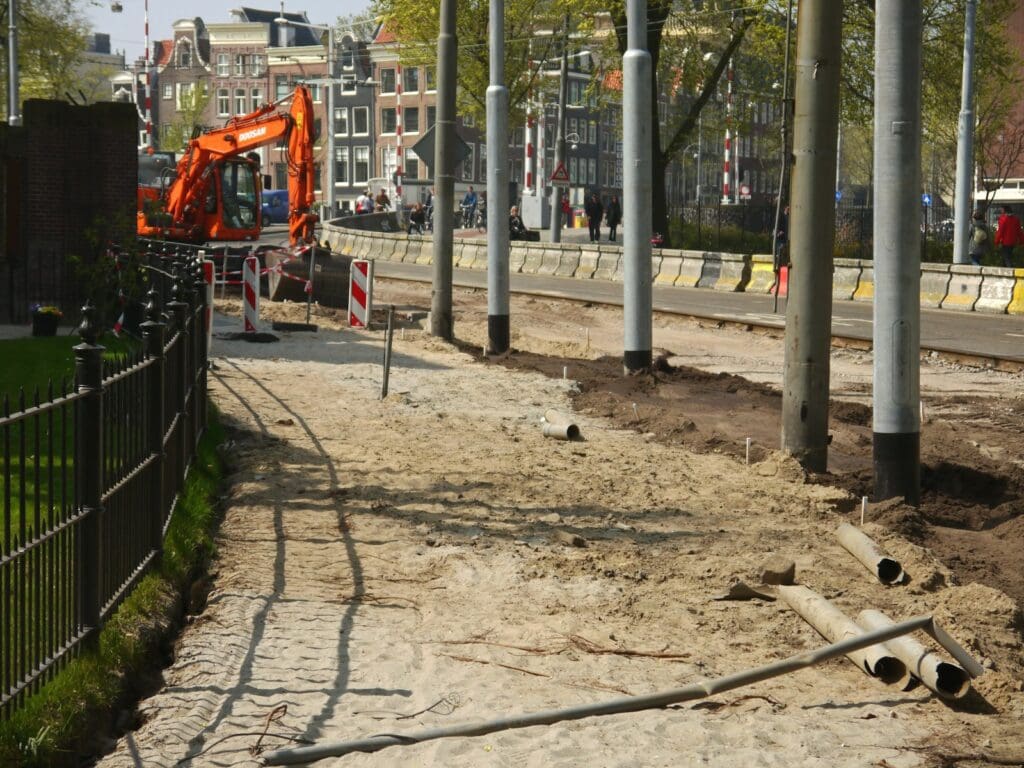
[[191, 105], [51, 43]]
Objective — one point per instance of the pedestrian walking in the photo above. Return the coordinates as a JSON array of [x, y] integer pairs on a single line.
[[595, 212], [1008, 235], [979, 238], [566, 212], [613, 215]]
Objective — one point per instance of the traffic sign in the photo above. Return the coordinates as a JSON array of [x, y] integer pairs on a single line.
[[560, 178], [424, 149], [745, 191], [926, 199]]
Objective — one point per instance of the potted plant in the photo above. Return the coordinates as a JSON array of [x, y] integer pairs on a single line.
[[45, 319]]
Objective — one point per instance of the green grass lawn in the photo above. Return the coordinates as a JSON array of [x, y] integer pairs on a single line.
[[35, 362]]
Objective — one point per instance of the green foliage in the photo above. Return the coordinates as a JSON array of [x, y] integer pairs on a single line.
[[192, 106], [59, 724]]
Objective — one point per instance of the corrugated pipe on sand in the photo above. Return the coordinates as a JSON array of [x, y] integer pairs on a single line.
[[315, 752]]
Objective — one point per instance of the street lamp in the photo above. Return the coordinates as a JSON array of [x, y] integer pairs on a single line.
[[330, 99]]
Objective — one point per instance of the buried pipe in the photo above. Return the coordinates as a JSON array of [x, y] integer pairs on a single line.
[[558, 426], [834, 625], [943, 677], [861, 546], [308, 754]]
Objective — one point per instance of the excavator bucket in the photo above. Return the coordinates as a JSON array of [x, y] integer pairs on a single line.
[[301, 179]]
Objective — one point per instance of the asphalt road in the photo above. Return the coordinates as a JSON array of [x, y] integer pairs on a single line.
[[962, 333]]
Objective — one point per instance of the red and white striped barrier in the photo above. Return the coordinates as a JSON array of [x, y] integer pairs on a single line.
[[251, 293], [360, 293]]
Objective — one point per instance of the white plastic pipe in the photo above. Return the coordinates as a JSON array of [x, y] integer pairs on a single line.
[[559, 426], [834, 625], [944, 677], [862, 547]]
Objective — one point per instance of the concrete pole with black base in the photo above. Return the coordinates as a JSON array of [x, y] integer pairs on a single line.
[[563, 90], [636, 190], [812, 229], [497, 188], [441, 318], [897, 313], [965, 144]]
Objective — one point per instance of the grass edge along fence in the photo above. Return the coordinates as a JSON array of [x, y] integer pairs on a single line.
[[65, 568]]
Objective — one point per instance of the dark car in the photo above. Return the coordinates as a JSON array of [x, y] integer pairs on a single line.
[[275, 206]]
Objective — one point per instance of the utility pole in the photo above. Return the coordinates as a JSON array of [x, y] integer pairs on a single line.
[[441, 319], [636, 190], [563, 91], [331, 161], [965, 143], [13, 97], [498, 331], [896, 427], [812, 230]]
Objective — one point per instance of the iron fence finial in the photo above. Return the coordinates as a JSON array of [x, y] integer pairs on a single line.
[[87, 329]]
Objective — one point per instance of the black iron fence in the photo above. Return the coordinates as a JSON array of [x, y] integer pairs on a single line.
[[748, 228], [91, 476]]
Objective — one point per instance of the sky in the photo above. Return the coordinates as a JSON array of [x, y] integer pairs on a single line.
[[127, 29]]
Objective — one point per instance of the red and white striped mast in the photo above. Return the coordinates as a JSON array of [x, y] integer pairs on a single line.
[[528, 155], [399, 169], [148, 95], [727, 162]]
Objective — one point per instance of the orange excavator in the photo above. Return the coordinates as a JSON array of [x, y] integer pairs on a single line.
[[215, 191]]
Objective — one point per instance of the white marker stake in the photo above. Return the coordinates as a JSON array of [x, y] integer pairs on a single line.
[[636, 414], [863, 509], [565, 372], [588, 339], [748, 450]]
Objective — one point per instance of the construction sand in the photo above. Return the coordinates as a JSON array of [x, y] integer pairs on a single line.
[[389, 566]]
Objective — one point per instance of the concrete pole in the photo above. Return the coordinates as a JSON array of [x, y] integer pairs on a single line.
[[636, 190], [812, 230], [13, 96], [897, 313], [965, 144], [331, 192], [441, 319], [149, 85], [498, 330], [563, 91]]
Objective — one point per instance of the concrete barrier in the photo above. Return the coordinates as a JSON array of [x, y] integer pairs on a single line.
[[414, 249], [997, 284], [607, 263], [1017, 302], [426, 254], [619, 274], [589, 254], [690, 271], [401, 247], [845, 278], [964, 288], [534, 256], [517, 256], [711, 270], [479, 248], [866, 283], [549, 261], [657, 257], [934, 284], [762, 274], [569, 263], [735, 272], [671, 264]]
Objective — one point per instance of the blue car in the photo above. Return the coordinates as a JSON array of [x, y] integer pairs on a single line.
[[275, 206]]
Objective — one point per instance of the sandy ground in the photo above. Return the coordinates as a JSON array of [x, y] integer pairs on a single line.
[[388, 566]]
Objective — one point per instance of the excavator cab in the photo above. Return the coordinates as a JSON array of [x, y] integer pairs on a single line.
[[233, 205]]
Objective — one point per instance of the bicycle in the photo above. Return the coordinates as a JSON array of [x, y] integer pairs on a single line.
[[480, 219], [467, 215]]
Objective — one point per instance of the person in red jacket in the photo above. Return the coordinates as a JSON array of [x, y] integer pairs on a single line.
[[1008, 235]]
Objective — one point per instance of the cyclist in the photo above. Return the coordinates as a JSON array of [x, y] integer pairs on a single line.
[[468, 208]]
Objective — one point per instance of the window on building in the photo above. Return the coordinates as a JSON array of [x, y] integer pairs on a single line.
[[184, 96], [348, 83], [517, 137], [388, 120], [280, 86], [411, 120], [341, 169], [387, 81], [360, 121], [467, 165], [223, 102], [341, 121], [257, 65], [240, 101], [314, 92], [185, 55], [256, 98], [483, 161], [281, 176], [469, 121], [412, 165], [573, 177], [411, 80], [168, 91], [361, 164], [348, 58], [223, 65], [428, 79], [431, 117], [239, 65], [592, 132], [592, 171]]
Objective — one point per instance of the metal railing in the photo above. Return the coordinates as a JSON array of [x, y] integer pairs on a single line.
[[89, 479]]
